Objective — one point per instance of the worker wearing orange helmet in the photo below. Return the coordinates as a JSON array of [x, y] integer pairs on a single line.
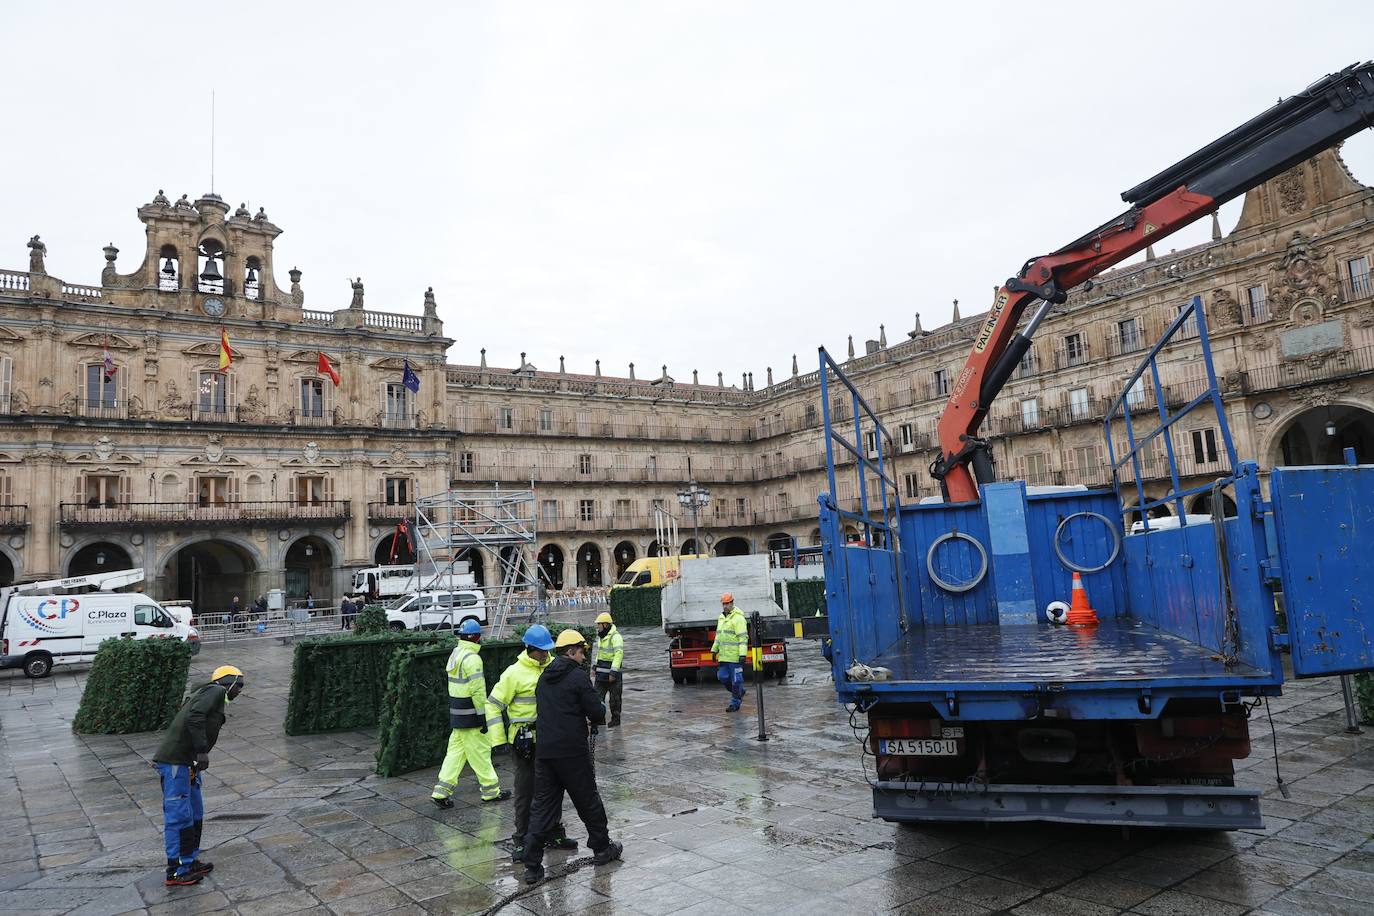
[[730, 646]]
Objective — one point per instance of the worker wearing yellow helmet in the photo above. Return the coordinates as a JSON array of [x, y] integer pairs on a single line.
[[610, 662], [181, 758]]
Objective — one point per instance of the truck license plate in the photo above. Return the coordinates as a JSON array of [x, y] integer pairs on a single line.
[[774, 657], [919, 747]]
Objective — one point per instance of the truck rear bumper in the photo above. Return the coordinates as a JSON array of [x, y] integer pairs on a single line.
[[1197, 807]]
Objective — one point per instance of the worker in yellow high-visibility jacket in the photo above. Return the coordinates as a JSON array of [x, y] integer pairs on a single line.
[[510, 719], [467, 716], [731, 644], [610, 662]]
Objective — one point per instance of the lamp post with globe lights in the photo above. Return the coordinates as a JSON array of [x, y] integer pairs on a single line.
[[694, 498]]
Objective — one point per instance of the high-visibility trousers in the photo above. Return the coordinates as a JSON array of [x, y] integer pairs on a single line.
[[467, 747]]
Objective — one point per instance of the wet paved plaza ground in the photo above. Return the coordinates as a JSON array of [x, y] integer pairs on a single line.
[[712, 820]]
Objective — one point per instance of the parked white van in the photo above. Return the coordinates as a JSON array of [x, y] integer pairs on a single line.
[[437, 610], [43, 624]]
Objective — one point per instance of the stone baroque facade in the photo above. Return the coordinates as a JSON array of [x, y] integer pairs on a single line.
[[270, 459]]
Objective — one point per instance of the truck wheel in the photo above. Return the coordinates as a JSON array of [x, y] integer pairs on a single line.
[[779, 670], [396, 625], [38, 664], [690, 676], [678, 677]]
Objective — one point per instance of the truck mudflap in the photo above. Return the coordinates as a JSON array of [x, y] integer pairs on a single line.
[[1195, 807]]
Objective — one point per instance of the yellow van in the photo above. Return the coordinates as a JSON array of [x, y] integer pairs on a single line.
[[650, 571]]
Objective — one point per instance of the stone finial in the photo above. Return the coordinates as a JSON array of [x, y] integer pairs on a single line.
[[111, 253], [160, 199], [794, 365], [770, 376], [598, 368], [36, 252], [744, 380], [882, 336], [851, 346], [483, 364], [918, 331], [694, 378], [297, 294], [562, 370], [956, 312], [1216, 227], [357, 302], [431, 307], [720, 379], [632, 372]]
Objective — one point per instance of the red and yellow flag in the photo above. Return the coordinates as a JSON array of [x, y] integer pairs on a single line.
[[325, 367], [226, 354]]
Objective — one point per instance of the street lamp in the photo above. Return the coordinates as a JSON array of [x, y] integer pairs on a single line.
[[694, 498]]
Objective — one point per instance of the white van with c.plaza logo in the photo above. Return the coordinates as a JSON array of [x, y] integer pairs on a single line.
[[43, 624]]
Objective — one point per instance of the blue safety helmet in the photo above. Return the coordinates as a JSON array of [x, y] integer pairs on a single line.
[[470, 627], [538, 637]]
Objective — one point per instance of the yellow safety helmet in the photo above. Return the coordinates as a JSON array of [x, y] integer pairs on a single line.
[[225, 671], [604, 617], [569, 638]]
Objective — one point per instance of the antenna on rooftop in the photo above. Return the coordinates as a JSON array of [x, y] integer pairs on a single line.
[[212, 141]]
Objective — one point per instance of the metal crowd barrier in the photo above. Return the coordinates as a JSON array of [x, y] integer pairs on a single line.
[[221, 628]]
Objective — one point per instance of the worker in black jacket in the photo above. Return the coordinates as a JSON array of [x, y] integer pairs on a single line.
[[566, 703], [180, 759]]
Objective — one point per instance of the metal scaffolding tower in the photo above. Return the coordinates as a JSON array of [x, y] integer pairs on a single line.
[[497, 525]]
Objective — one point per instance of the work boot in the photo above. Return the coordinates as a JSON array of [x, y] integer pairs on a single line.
[[614, 723], [733, 707], [185, 879], [534, 874], [609, 854], [517, 855], [566, 843], [444, 803], [202, 867], [502, 796]]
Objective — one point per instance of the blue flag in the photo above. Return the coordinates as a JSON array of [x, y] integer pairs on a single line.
[[410, 379]]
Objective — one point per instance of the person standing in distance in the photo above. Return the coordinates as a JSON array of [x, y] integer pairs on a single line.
[[180, 759], [467, 716], [732, 642], [610, 660], [563, 757]]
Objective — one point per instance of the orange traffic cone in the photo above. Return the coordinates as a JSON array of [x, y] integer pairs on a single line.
[[1081, 613]]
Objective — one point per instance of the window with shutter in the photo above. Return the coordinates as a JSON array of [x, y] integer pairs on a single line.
[[6, 490], [6, 382]]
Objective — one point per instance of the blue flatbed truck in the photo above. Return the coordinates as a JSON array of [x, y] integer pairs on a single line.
[[971, 704]]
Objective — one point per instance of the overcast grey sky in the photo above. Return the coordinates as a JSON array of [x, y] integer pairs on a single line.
[[707, 185]]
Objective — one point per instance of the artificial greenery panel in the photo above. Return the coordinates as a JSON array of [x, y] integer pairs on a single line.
[[134, 686]]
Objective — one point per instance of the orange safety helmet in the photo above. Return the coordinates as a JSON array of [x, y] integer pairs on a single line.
[[727, 598]]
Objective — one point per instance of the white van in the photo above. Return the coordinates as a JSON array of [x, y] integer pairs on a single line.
[[40, 628], [437, 610], [397, 581]]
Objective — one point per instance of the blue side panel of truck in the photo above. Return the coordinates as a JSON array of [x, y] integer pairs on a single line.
[[937, 614]]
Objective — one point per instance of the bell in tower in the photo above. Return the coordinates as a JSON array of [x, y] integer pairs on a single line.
[[211, 272]]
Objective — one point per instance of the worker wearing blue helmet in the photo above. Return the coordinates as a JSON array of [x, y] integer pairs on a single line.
[[511, 713], [467, 716]]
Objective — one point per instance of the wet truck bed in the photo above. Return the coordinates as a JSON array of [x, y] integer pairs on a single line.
[[1116, 650]]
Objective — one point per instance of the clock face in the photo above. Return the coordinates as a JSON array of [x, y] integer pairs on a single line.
[[213, 307]]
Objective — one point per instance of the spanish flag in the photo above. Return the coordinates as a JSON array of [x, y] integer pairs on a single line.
[[226, 355]]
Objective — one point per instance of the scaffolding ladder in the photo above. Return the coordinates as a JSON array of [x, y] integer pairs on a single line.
[[499, 527]]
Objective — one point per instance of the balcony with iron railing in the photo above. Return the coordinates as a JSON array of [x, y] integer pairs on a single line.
[[245, 513], [1068, 356], [1121, 342], [315, 416], [13, 519], [1357, 288], [213, 413], [1298, 373], [389, 512], [102, 408]]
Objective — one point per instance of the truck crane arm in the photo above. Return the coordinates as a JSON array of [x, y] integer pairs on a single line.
[[1297, 128]]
